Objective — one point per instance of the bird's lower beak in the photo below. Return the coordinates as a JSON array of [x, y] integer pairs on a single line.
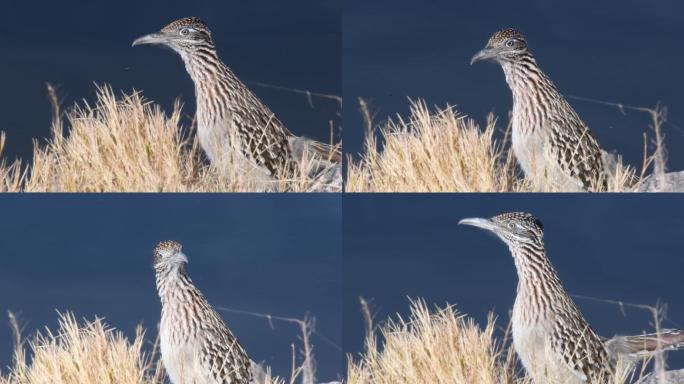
[[479, 222], [152, 38], [484, 54]]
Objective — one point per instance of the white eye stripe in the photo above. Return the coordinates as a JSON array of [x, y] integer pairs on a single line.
[[187, 31]]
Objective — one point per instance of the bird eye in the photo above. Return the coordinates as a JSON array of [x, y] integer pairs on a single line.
[[512, 225], [510, 43], [185, 31]]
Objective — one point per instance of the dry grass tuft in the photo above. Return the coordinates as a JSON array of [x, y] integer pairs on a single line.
[[127, 144], [88, 353], [91, 352], [11, 175], [439, 346], [433, 152], [442, 151]]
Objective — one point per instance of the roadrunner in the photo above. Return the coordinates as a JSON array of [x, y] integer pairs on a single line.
[[551, 337], [553, 146], [196, 345], [227, 110]]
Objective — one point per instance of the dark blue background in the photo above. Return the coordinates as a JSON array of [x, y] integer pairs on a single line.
[[73, 44], [619, 247], [93, 255], [622, 51]]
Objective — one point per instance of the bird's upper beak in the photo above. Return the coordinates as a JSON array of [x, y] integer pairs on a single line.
[[483, 54], [182, 257], [152, 38], [480, 223]]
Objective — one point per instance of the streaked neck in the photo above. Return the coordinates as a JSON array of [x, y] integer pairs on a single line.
[[533, 91]]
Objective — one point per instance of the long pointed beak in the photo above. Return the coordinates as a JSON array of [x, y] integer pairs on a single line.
[[182, 257], [483, 54], [479, 222], [152, 38]]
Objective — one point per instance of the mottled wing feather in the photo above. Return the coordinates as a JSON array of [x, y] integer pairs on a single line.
[[578, 351], [577, 151], [262, 132], [226, 358], [578, 345]]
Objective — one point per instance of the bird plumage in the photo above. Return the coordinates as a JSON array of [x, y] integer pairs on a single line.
[[637, 346], [552, 144], [228, 112], [196, 345], [553, 340]]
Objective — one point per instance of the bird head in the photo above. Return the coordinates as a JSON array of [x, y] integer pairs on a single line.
[[504, 45], [180, 35], [513, 228], [169, 254]]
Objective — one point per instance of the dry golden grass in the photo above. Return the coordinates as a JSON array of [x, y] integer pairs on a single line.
[[435, 153], [127, 144], [90, 352], [87, 353], [440, 346], [441, 151], [10, 174]]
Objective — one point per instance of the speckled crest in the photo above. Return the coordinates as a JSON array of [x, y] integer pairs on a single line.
[[526, 218], [192, 22], [166, 246], [501, 36]]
